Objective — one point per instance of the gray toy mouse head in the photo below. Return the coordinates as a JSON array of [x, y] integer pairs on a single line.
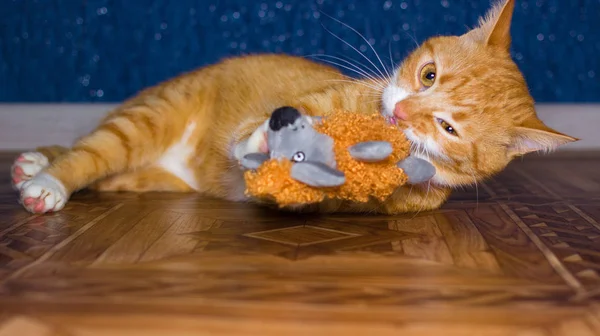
[[292, 136]]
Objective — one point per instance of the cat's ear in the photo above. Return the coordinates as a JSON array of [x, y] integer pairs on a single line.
[[534, 136], [500, 34], [494, 28]]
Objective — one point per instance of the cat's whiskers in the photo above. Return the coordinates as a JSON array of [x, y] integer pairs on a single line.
[[368, 102], [421, 151], [427, 153], [410, 191], [419, 148], [424, 201], [476, 189], [358, 51], [364, 66], [376, 95], [392, 63], [355, 68], [377, 90], [412, 149], [414, 39], [355, 82], [372, 94]]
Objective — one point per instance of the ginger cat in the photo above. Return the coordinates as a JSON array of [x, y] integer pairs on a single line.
[[461, 101]]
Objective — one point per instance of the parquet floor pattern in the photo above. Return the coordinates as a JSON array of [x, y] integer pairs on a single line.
[[519, 255]]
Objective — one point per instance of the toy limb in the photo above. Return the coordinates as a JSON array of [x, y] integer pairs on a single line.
[[417, 170], [317, 174], [371, 151], [253, 160]]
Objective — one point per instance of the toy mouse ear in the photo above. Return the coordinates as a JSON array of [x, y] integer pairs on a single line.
[[253, 160], [417, 170], [371, 151], [317, 174], [283, 116]]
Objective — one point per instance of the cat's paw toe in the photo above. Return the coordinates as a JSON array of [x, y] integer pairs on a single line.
[[25, 167], [43, 194]]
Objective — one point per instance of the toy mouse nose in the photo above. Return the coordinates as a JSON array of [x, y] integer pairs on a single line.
[[400, 111]]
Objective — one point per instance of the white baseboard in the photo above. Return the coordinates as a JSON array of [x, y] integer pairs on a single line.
[[26, 126]]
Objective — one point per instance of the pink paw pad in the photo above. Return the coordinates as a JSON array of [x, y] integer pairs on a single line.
[[18, 171], [36, 204], [29, 201], [16, 180], [43, 194]]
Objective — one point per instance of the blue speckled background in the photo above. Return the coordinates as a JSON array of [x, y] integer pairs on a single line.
[[106, 50]]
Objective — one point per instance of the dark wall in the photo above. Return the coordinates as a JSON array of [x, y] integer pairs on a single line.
[[106, 50]]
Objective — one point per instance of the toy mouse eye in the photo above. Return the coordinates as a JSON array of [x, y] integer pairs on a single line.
[[298, 157]]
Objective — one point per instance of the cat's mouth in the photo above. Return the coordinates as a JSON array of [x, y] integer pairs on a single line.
[[416, 143], [392, 120]]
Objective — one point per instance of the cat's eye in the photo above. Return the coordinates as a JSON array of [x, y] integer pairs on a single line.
[[446, 126], [298, 157], [428, 75]]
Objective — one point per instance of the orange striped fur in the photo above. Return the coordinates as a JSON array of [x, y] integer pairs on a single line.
[[478, 89]]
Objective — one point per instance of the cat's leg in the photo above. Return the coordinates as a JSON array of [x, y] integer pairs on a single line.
[[414, 198], [29, 164], [406, 199], [134, 136], [143, 180]]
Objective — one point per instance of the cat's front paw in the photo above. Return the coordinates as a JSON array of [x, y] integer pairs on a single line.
[[42, 194], [256, 143], [26, 166]]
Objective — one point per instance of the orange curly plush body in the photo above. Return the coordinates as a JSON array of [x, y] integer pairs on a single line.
[[272, 180]]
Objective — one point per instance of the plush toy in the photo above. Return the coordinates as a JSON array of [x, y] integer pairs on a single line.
[[346, 156]]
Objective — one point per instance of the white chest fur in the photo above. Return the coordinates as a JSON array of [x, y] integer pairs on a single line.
[[176, 159]]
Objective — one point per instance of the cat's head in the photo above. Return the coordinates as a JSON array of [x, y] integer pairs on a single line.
[[465, 104]]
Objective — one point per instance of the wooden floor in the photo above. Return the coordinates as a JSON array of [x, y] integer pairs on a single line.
[[519, 255]]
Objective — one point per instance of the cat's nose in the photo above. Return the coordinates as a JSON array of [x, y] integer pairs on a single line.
[[400, 111]]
